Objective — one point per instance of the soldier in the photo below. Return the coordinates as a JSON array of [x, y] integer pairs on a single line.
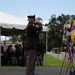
[[32, 32]]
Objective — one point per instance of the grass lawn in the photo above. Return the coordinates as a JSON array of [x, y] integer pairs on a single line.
[[49, 61]]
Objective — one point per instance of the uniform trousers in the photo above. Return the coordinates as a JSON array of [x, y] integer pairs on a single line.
[[31, 61]]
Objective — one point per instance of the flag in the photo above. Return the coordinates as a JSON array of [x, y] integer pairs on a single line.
[[70, 59], [73, 26]]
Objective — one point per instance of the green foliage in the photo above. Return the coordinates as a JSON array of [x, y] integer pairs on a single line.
[[56, 25], [50, 46]]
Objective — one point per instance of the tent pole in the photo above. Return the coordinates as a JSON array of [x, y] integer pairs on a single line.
[[46, 47], [5, 38], [0, 46], [46, 41]]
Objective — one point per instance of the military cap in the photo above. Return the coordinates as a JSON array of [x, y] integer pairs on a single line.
[[31, 16]]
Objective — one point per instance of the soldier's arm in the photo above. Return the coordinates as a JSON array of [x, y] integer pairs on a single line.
[[36, 27]]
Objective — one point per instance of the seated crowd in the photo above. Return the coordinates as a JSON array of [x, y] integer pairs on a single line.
[[17, 57], [11, 56]]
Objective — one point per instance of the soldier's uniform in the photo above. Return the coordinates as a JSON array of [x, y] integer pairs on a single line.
[[32, 41]]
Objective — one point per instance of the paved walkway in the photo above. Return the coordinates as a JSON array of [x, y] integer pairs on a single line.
[[39, 71]]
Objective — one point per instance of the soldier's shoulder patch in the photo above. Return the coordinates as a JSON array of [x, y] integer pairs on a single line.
[[33, 24]]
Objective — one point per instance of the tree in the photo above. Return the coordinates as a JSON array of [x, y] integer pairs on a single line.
[[56, 25]]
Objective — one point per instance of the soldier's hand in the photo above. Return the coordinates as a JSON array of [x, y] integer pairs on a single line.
[[37, 21]]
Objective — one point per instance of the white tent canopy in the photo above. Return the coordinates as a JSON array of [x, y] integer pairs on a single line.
[[10, 22], [8, 19], [10, 25]]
